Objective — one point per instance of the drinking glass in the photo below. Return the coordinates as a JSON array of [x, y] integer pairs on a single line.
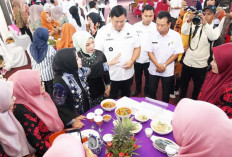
[[90, 116], [99, 120]]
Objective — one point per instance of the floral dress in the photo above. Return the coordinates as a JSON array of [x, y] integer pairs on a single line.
[[36, 131]]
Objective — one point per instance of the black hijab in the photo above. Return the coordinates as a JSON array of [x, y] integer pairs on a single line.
[[96, 18], [65, 61]]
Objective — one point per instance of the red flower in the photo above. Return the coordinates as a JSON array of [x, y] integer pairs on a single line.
[[134, 139], [109, 154], [29, 129], [25, 123], [109, 144], [134, 146], [121, 154], [126, 154]]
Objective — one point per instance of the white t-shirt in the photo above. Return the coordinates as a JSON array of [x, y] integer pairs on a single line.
[[163, 47], [112, 42], [175, 12], [77, 27], [93, 10], [143, 33]]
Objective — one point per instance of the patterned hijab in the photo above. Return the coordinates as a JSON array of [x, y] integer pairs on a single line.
[[201, 130], [34, 13], [39, 47], [12, 135], [27, 91]]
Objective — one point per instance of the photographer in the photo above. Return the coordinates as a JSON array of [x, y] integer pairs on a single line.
[[197, 55]]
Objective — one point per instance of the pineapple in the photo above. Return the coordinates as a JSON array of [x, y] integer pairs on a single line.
[[123, 143]]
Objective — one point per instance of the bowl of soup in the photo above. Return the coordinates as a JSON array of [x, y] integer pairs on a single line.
[[123, 112], [108, 104]]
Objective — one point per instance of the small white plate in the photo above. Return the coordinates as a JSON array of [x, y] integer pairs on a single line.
[[85, 133], [168, 129], [142, 117], [138, 127], [107, 137]]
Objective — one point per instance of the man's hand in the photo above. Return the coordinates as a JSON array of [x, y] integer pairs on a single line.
[[160, 68], [80, 117], [114, 60], [128, 65], [78, 124], [203, 21], [107, 91]]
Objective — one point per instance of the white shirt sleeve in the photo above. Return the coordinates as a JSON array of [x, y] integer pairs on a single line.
[[186, 28], [99, 40], [212, 33], [179, 48]]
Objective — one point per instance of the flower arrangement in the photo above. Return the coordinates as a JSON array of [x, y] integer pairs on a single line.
[[124, 143], [10, 40]]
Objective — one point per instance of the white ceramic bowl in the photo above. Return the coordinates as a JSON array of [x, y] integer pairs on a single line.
[[123, 108], [108, 119], [166, 131], [141, 117], [107, 108]]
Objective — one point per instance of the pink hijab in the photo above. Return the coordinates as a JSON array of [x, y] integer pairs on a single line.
[[56, 12], [27, 91], [215, 84], [66, 145], [201, 130], [12, 135]]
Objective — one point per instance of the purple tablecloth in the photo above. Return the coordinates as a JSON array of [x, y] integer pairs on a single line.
[[146, 149]]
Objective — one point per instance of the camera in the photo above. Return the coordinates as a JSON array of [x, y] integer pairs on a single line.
[[197, 18]]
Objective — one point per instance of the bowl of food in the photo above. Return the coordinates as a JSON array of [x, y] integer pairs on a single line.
[[108, 104], [106, 118], [161, 127], [123, 112], [138, 127], [141, 117]]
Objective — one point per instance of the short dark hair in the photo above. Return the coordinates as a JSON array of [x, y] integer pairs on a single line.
[[148, 7], [92, 4], [117, 11], [52, 1], [164, 14], [216, 3]]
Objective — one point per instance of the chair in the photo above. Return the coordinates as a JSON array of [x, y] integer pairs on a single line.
[[22, 40], [161, 7], [139, 8], [14, 56]]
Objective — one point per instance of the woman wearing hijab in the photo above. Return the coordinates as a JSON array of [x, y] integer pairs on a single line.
[[99, 79], [77, 21], [66, 39], [52, 25], [57, 15], [71, 91], [217, 88], [21, 11], [13, 141], [34, 17], [75, 148], [42, 55], [34, 109], [201, 130], [95, 23]]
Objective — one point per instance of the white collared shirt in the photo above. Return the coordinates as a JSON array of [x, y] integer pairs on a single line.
[[112, 42], [198, 57], [143, 33], [163, 47], [175, 12], [94, 10]]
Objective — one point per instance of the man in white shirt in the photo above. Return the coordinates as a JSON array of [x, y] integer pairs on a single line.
[[175, 6], [196, 57], [119, 38], [163, 49], [93, 9], [143, 29]]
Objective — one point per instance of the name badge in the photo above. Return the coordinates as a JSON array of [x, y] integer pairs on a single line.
[[154, 42]]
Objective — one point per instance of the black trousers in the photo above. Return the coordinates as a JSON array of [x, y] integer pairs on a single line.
[[49, 87], [102, 10], [120, 86], [26, 30], [166, 86], [198, 77], [139, 69], [175, 86]]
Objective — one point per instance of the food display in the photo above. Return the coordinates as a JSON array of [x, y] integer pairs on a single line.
[[106, 118], [161, 127], [108, 104], [123, 112], [141, 117], [138, 127]]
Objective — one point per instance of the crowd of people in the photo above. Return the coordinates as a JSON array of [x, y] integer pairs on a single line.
[[92, 60]]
